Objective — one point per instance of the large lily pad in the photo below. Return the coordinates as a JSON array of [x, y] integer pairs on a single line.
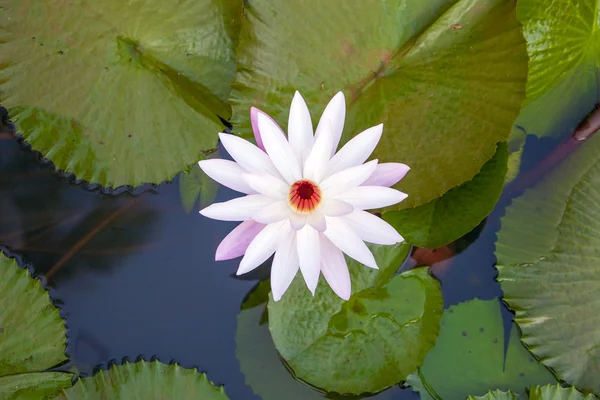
[[32, 336], [145, 380], [367, 343], [458, 211], [445, 77], [472, 337], [133, 97]]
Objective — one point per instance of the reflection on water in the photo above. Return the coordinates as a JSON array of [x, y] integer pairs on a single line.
[[136, 276]]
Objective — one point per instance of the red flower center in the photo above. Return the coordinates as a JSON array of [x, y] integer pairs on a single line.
[[305, 196]]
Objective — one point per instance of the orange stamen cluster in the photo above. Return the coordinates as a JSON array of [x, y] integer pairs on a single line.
[[305, 196]]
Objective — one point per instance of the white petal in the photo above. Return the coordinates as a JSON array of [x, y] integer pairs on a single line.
[[239, 209], [387, 174], [345, 239], [368, 197], [335, 113], [334, 207], [300, 130], [279, 149], [335, 269], [285, 266], [267, 185], [315, 166], [347, 179], [309, 254], [317, 221], [247, 155], [297, 221], [372, 229], [234, 245], [356, 151], [263, 245], [227, 173], [274, 212]]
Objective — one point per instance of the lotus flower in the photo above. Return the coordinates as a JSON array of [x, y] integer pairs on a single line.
[[304, 202]]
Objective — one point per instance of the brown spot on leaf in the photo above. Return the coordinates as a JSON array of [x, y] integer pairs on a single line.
[[456, 26]]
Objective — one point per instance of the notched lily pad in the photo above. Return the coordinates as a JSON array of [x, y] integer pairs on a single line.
[[445, 77], [372, 341], [194, 185], [133, 97]]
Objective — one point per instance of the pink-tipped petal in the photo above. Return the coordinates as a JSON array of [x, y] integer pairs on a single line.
[[335, 113], [356, 151], [369, 197], [279, 149], [255, 129], [236, 242], [335, 269], [285, 266], [347, 179], [263, 246], [372, 229], [238, 209], [227, 173], [387, 174], [309, 254], [300, 130], [345, 239]]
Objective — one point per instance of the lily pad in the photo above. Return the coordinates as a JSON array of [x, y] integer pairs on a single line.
[[32, 336], [498, 395], [548, 392], [145, 380], [196, 184], [368, 343], [472, 336], [445, 77], [458, 211], [555, 288], [259, 361], [134, 97]]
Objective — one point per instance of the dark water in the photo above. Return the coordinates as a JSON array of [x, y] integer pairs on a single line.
[[135, 276]]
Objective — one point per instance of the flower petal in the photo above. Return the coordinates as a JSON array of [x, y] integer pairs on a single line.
[[267, 184], [356, 151], [335, 269], [315, 166], [368, 197], [387, 174], [263, 246], [247, 155], [238, 209], [227, 173], [297, 221], [279, 150], [254, 122], [236, 242], [274, 212], [347, 179], [372, 229], [335, 113], [317, 221], [285, 266], [309, 254], [300, 130], [334, 208], [345, 239]]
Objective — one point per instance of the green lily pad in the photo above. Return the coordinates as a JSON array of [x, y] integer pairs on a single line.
[[133, 97], [145, 380], [196, 184], [548, 392], [554, 287], [368, 343], [498, 395], [259, 361], [472, 336], [445, 77], [458, 211], [32, 336]]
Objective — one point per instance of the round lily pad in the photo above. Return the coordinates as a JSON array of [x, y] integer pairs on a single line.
[[365, 344], [446, 78], [119, 93]]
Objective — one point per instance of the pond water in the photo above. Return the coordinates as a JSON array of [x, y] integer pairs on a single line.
[[135, 276]]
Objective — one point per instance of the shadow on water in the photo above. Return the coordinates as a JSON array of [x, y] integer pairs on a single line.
[[136, 274]]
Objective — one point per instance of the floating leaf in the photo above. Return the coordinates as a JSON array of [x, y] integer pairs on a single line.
[[472, 336], [32, 336], [196, 184], [368, 343], [145, 380], [498, 395], [556, 392], [264, 371], [445, 77], [133, 97], [458, 211]]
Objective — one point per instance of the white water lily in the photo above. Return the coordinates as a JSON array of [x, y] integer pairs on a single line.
[[304, 202]]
